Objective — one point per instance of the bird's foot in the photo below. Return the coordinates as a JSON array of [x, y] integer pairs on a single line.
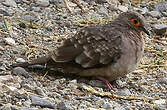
[[107, 83]]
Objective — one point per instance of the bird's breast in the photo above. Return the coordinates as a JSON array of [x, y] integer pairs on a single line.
[[132, 52]]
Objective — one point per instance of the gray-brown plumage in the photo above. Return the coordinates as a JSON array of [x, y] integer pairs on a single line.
[[110, 50]]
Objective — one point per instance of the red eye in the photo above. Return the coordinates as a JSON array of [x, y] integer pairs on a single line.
[[135, 22]]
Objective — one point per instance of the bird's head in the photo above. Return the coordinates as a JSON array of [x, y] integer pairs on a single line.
[[134, 20]]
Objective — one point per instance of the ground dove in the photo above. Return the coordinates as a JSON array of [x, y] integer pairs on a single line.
[[107, 51]]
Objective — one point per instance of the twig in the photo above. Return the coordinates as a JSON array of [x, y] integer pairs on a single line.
[[79, 5], [151, 66], [68, 7], [107, 94], [157, 41]]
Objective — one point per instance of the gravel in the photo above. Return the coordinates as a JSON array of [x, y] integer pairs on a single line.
[[28, 29]]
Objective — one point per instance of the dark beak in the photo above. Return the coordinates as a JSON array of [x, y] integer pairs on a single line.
[[146, 31]]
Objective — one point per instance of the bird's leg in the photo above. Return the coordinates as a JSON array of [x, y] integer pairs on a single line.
[[107, 83]]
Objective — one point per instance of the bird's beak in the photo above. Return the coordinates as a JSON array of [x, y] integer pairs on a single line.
[[147, 32]]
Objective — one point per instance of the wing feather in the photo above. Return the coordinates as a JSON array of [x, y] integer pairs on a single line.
[[90, 47]]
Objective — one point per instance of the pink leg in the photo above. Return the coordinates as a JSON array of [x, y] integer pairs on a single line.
[[107, 83]]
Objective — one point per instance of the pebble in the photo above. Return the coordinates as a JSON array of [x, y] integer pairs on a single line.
[[90, 108], [2, 68], [160, 29], [29, 108], [36, 9], [162, 6], [2, 1], [103, 11], [82, 107], [9, 41], [28, 86], [40, 91], [97, 83], [63, 106], [20, 60], [119, 108], [120, 83], [123, 8], [10, 3], [107, 106], [22, 25], [163, 80], [20, 71], [29, 18], [6, 107], [55, 1], [4, 12], [37, 101], [124, 92], [27, 103], [43, 3], [6, 78], [154, 14], [160, 101]]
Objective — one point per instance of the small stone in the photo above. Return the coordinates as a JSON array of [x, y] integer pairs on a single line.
[[107, 106], [119, 108], [20, 60], [9, 41], [2, 1], [6, 107], [138, 71], [97, 83], [95, 98], [4, 12], [124, 92], [120, 83], [28, 86], [10, 3], [1, 48], [74, 81], [162, 6], [28, 109], [20, 71], [37, 101], [9, 88], [154, 14], [82, 107], [123, 8], [164, 80], [2, 68], [36, 9], [90, 108], [22, 25], [63, 106], [160, 102], [40, 91], [43, 3], [27, 103], [29, 18], [6, 78], [160, 29], [56, 1], [103, 11]]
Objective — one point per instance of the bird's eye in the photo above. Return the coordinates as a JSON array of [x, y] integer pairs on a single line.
[[135, 22]]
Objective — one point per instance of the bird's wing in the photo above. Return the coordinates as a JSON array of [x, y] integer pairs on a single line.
[[91, 46]]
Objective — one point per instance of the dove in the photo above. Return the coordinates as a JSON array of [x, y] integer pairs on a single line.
[[106, 51]]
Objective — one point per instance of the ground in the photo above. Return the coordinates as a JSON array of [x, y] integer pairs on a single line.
[[29, 29]]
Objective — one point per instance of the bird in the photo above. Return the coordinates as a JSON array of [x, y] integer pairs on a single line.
[[106, 51]]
